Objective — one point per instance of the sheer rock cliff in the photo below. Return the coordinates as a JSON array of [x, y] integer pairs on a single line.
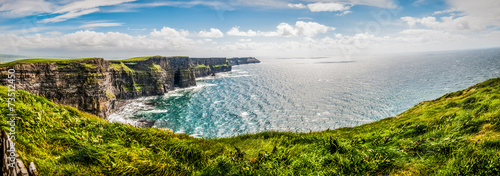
[[95, 85]]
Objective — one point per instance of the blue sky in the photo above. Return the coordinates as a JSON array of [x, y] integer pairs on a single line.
[[268, 28]]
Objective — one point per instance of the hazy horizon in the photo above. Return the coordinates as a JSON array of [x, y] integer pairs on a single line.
[[234, 28]]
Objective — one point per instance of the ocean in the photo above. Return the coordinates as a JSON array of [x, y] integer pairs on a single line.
[[311, 94]]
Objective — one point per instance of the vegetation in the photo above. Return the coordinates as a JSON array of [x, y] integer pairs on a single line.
[[200, 66], [119, 66], [222, 65], [138, 86], [457, 134], [90, 66], [40, 60], [155, 68], [142, 58]]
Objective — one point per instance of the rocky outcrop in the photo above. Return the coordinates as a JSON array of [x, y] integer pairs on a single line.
[[94, 85], [11, 164], [242, 60]]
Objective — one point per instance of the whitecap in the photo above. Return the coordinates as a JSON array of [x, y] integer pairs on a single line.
[[237, 76]]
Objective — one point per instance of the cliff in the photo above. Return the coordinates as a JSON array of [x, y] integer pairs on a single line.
[[456, 134], [94, 85], [243, 60]]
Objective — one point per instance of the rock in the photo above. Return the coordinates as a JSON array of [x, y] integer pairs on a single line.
[[11, 164], [95, 85], [243, 60]]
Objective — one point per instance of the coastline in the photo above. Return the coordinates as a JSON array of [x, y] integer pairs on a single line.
[[94, 85]]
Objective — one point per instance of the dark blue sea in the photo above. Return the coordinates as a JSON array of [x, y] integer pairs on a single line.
[[311, 94]]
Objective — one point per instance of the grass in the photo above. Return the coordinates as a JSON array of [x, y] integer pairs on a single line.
[[457, 134], [47, 60], [155, 68], [142, 58], [90, 66], [222, 65], [120, 67], [200, 66]]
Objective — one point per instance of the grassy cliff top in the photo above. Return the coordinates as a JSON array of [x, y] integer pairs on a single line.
[[143, 58], [40, 60], [456, 134]]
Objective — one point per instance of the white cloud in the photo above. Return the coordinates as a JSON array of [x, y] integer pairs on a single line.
[[213, 33], [92, 25], [20, 8], [446, 23], [305, 18], [301, 29], [327, 7], [473, 16], [53, 33], [79, 8], [445, 11], [344, 13], [88, 4], [387, 4], [297, 6], [170, 41], [171, 34], [245, 40], [69, 15], [235, 31], [86, 41], [310, 29]]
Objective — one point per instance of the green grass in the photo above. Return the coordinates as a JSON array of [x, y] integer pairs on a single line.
[[200, 66], [88, 65], [48, 60], [120, 67], [457, 134], [142, 58], [222, 65], [155, 68]]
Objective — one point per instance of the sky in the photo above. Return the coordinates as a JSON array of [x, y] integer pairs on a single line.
[[341, 29]]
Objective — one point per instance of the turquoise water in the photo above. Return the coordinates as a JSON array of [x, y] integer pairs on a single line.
[[312, 94]]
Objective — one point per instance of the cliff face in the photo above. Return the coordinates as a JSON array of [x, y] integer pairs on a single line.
[[94, 85], [242, 60]]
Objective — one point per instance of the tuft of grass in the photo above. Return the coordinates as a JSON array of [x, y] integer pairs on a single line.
[[457, 134]]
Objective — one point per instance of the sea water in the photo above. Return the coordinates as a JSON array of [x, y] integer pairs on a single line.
[[311, 94]]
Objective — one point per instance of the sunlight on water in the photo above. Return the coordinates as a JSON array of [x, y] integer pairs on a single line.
[[300, 95]]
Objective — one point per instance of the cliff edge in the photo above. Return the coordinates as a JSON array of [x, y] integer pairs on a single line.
[[94, 85]]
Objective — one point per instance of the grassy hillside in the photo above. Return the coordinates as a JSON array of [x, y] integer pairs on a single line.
[[458, 133]]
